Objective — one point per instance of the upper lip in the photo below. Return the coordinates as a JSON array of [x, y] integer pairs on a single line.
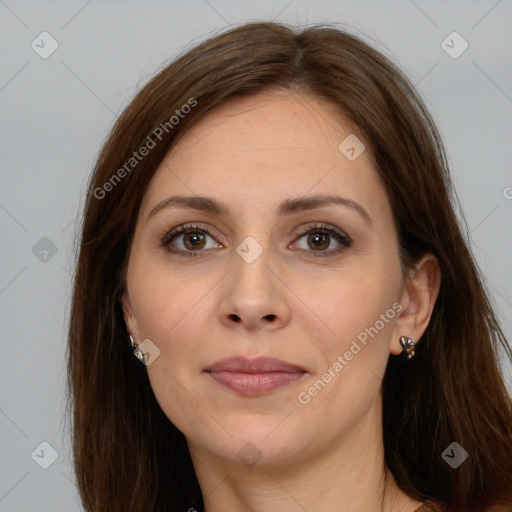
[[257, 365]]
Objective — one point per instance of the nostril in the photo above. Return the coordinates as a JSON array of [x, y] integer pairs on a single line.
[[235, 318], [270, 317]]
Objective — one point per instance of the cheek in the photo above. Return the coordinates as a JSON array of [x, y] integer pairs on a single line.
[[169, 312], [352, 301], [359, 311], [367, 307], [162, 298], [353, 359], [172, 311]]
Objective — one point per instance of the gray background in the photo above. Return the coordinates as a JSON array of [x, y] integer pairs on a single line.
[[56, 112]]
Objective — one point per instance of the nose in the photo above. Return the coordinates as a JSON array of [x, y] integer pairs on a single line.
[[255, 298]]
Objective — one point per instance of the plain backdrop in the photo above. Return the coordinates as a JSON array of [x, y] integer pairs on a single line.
[[55, 112]]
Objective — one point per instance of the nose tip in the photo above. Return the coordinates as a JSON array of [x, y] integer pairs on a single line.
[[254, 297]]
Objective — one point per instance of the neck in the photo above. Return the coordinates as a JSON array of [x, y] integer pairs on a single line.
[[349, 475]]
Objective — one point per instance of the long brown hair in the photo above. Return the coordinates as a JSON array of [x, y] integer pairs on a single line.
[[127, 454]]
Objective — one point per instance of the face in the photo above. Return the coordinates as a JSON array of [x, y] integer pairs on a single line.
[[262, 269]]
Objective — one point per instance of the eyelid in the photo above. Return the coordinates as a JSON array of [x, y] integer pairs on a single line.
[[323, 226]]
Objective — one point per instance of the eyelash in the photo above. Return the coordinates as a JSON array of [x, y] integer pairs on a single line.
[[325, 229]]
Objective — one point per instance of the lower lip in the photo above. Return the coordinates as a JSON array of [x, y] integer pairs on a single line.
[[255, 383]]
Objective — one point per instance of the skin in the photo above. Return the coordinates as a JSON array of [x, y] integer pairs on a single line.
[[252, 154]]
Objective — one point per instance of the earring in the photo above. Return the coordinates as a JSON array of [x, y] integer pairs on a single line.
[[137, 352], [408, 346]]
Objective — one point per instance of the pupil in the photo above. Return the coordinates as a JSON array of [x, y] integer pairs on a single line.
[[319, 240], [192, 240]]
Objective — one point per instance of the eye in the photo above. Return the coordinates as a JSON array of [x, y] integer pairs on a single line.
[[321, 237], [190, 239]]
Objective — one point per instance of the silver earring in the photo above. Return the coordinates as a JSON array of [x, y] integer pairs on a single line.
[[138, 351], [408, 346]]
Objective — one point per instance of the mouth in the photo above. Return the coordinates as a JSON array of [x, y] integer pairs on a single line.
[[254, 376]]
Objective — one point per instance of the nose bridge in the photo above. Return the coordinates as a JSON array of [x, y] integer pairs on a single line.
[[253, 252], [251, 273]]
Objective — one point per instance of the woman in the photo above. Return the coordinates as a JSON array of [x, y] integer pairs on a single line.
[[274, 305]]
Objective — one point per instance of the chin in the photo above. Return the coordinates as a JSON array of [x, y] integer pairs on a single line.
[[256, 441]]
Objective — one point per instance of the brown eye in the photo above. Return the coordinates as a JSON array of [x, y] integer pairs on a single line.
[[189, 240], [318, 240], [193, 240]]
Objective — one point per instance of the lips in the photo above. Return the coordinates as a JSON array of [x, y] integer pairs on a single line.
[[254, 376]]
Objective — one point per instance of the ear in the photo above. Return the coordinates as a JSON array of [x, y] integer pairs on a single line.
[[129, 319], [418, 299]]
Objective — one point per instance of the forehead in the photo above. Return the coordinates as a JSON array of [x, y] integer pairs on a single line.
[[290, 123], [266, 148]]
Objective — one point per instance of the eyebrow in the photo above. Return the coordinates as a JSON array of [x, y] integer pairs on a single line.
[[287, 207]]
